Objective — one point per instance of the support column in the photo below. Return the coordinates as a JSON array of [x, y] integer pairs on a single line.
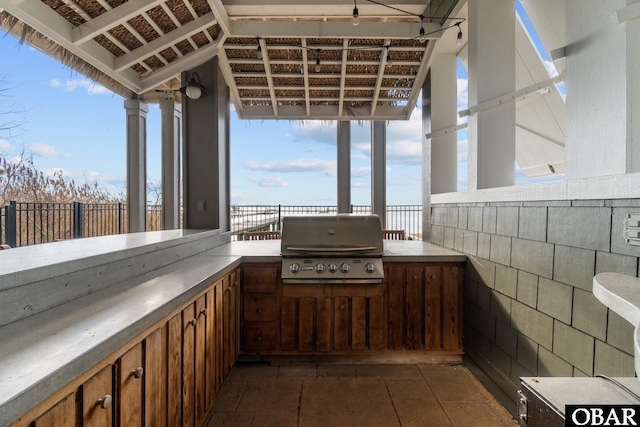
[[344, 167], [136, 165], [444, 106], [378, 170], [426, 159], [171, 114], [492, 147], [206, 193]]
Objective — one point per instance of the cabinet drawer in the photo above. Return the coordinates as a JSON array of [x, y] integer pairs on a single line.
[[259, 308], [260, 279], [259, 336]]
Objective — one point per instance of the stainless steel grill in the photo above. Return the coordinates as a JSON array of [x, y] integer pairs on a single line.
[[341, 248]]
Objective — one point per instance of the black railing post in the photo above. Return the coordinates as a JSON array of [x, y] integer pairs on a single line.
[[120, 218], [77, 220], [279, 217], [10, 219]]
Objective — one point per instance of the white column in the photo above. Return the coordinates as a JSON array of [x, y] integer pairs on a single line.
[[426, 159], [344, 167], [491, 74], [136, 164], [171, 115], [378, 170], [443, 105]]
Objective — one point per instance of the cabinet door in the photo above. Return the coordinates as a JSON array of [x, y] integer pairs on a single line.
[[200, 359], [452, 307], [174, 371], [189, 322], [130, 387], [63, 414], [97, 395], [155, 378]]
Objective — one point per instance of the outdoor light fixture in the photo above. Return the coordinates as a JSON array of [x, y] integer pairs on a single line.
[[389, 62], [318, 61], [259, 49], [356, 17], [459, 39], [193, 89]]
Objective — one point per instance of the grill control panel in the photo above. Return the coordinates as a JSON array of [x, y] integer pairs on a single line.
[[332, 270]]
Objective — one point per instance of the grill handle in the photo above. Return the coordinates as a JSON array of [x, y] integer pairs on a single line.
[[346, 249]]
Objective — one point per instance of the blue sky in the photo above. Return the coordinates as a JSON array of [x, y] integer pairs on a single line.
[[69, 123]]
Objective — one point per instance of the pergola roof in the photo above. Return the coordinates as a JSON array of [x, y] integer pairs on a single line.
[[312, 62]]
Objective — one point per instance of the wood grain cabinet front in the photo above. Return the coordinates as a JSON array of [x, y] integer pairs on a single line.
[[97, 399], [260, 284], [62, 414]]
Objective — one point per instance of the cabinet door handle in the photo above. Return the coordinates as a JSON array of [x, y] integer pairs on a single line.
[[203, 312], [259, 338], [433, 276], [105, 402], [341, 307], [259, 310], [259, 280], [415, 277], [138, 372], [192, 322]]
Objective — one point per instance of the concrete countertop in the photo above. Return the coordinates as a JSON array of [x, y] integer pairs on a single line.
[[43, 352]]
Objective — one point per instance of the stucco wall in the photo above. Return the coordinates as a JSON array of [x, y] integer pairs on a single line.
[[528, 303]]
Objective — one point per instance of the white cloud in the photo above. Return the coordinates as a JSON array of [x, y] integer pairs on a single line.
[[71, 85], [316, 131], [270, 181], [361, 171], [463, 94], [551, 68], [44, 150], [4, 145], [297, 165]]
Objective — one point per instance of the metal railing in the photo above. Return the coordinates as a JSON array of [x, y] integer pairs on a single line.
[[28, 223], [246, 218]]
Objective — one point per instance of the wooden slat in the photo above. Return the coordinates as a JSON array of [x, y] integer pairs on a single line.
[[210, 348], [188, 366], [130, 388], [63, 414], [289, 330], [358, 323], [219, 324], [174, 371], [433, 308], [414, 308], [395, 307], [200, 359], [323, 321], [341, 323], [451, 297], [306, 323], [155, 378], [376, 322], [93, 390], [226, 315], [259, 279]]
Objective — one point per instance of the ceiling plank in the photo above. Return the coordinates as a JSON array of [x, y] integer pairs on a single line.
[[381, 67], [366, 30], [420, 76], [267, 72], [221, 15], [228, 77], [164, 41], [305, 72], [111, 19], [343, 75]]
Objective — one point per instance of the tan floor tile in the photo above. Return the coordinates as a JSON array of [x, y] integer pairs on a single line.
[[361, 403], [466, 414], [453, 383], [231, 419], [388, 372], [275, 419], [416, 404], [229, 396], [260, 396], [336, 372], [249, 372], [297, 372]]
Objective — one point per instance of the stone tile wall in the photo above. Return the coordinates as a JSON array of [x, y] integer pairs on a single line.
[[529, 307]]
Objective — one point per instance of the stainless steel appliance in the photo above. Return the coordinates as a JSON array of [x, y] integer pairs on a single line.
[[343, 248]]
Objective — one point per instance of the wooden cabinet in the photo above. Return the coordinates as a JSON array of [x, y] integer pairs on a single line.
[[260, 286], [168, 376], [424, 304], [324, 318]]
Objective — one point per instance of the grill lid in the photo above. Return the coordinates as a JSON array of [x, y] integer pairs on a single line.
[[331, 235]]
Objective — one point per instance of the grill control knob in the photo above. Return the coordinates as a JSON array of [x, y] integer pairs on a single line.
[[333, 268], [369, 267], [344, 267], [294, 268], [320, 267]]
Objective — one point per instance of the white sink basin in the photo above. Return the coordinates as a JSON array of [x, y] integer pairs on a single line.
[[621, 294]]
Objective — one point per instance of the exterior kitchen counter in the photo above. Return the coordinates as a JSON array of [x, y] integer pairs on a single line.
[[67, 306]]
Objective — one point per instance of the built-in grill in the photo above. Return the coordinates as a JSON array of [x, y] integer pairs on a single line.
[[343, 248]]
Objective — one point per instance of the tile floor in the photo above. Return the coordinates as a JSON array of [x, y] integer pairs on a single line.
[[354, 395]]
